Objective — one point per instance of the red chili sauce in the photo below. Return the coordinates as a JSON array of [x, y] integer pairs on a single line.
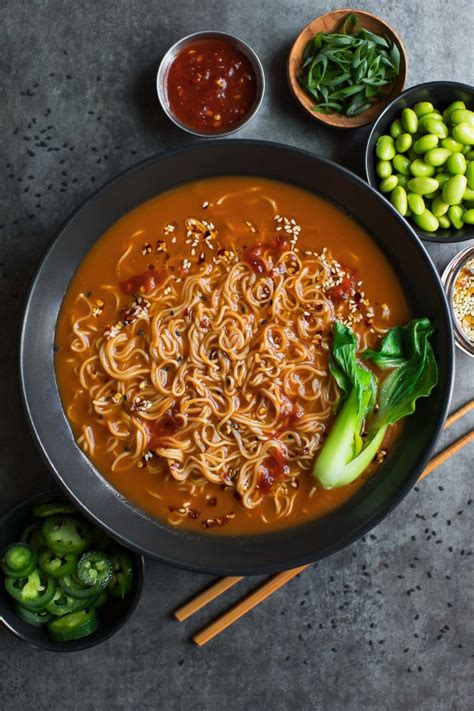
[[211, 86]]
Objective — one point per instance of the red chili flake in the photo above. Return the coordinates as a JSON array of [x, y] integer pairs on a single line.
[[192, 513], [273, 468], [212, 501], [161, 429]]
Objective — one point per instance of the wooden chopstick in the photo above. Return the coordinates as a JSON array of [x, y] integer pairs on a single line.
[[207, 596], [277, 581], [242, 607]]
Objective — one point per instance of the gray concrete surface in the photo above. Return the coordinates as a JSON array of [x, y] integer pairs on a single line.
[[383, 625]]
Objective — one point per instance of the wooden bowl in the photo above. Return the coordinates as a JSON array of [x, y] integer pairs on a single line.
[[330, 22]]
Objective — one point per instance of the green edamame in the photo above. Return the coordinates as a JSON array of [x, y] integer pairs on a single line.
[[409, 120], [419, 169], [439, 206], [385, 148], [442, 178], [403, 142], [464, 133], [425, 143], [468, 217], [426, 221], [470, 154], [455, 216], [462, 116], [453, 189], [401, 164], [383, 168], [416, 203], [468, 195], [452, 107], [444, 222], [451, 145], [423, 186], [396, 129], [398, 198], [470, 174], [423, 107], [402, 180], [435, 126], [456, 164], [388, 184], [436, 156]]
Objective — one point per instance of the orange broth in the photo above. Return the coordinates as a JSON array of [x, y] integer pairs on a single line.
[[323, 225]]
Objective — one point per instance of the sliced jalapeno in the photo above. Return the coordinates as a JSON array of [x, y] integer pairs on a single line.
[[122, 575], [62, 603], [37, 619], [19, 560], [72, 586], [33, 535], [57, 564], [95, 569], [55, 506], [66, 534], [73, 626], [33, 592]]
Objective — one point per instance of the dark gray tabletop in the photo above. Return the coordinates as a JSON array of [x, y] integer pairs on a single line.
[[381, 625]]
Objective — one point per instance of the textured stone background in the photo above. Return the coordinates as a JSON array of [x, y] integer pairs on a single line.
[[382, 625]]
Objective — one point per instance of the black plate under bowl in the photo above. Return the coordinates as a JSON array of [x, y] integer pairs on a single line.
[[94, 495], [112, 617], [441, 94]]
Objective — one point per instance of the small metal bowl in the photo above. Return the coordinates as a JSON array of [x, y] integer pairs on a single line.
[[112, 617], [448, 278], [161, 80]]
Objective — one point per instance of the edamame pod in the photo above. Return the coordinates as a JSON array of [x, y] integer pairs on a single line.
[[401, 164], [453, 189], [383, 168], [464, 133], [426, 221], [462, 116], [409, 120], [425, 143], [451, 145], [470, 174], [468, 217], [403, 142], [423, 107], [444, 222], [398, 198], [419, 169], [385, 148], [455, 216], [423, 186], [388, 184], [396, 129], [436, 156], [438, 206], [416, 203], [456, 164], [452, 107], [438, 128]]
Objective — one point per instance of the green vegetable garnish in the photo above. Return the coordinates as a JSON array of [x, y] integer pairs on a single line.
[[406, 351], [347, 71]]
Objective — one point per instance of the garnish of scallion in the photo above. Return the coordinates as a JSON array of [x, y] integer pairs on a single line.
[[347, 71]]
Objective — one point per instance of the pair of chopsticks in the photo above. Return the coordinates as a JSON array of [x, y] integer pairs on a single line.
[[277, 581]]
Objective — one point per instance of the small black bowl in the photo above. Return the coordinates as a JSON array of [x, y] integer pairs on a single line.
[[112, 616], [441, 94]]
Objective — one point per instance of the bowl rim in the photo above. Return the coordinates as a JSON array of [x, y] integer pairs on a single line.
[[296, 559], [326, 119], [83, 643], [368, 157], [173, 50]]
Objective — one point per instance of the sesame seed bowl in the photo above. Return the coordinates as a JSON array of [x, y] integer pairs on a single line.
[[94, 495], [458, 280]]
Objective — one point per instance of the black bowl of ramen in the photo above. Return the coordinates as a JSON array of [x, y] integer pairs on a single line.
[[200, 550]]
